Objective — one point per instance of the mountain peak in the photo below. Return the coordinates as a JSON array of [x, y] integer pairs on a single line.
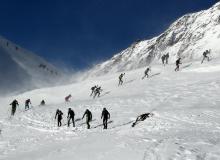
[[187, 38]]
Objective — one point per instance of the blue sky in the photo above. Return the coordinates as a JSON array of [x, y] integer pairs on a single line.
[[78, 33]]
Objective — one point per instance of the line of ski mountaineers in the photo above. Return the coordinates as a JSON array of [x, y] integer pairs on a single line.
[[96, 91]]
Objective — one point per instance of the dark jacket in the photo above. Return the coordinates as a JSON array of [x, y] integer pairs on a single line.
[[88, 115], [71, 114], [59, 115], [105, 114], [14, 103]]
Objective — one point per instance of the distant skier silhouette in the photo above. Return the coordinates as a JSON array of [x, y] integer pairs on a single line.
[[67, 98], [146, 73], [97, 91], [88, 115], [178, 62], [27, 104], [121, 79], [93, 90], [167, 58], [59, 117], [105, 116], [42, 103], [205, 55], [14, 105], [142, 118], [163, 59], [70, 117]]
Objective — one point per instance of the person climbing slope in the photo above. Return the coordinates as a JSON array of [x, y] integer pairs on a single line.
[[70, 117], [205, 56], [146, 72], [67, 98], [178, 62], [93, 90], [14, 105], [163, 59], [27, 104], [59, 117], [121, 79], [42, 103], [167, 58], [105, 116], [142, 117], [88, 115], [97, 92]]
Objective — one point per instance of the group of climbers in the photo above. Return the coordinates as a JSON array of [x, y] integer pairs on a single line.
[[165, 58], [14, 104], [88, 114], [96, 90]]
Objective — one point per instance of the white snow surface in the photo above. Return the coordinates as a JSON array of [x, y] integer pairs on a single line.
[[185, 125]]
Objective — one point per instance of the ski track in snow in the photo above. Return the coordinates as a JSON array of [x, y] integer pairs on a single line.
[[185, 125]]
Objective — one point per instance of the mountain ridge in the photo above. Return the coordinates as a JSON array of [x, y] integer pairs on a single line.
[[23, 70], [187, 37]]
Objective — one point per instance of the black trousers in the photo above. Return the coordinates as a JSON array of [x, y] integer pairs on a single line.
[[120, 82], [205, 57], [177, 67], [105, 123], [73, 121], [88, 125], [59, 123], [13, 110], [26, 106]]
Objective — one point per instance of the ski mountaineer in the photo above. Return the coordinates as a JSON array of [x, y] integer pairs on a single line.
[[142, 118], [14, 105], [70, 117], [27, 104], [93, 90], [105, 116], [97, 92], [178, 62], [120, 79], [42, 103], [163, 59], [88, 115], [59, 117], [167, 58], [67, 98], [205, 55], [146, 72]]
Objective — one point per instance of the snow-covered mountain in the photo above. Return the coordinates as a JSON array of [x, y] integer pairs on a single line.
[[187, 37], [186, 115], [21, 69]]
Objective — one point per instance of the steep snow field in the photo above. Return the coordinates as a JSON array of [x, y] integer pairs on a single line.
[[186, 125]]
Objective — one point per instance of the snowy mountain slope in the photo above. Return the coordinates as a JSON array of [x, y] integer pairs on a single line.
[[186, 125], [188, 37], [21, 70]]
